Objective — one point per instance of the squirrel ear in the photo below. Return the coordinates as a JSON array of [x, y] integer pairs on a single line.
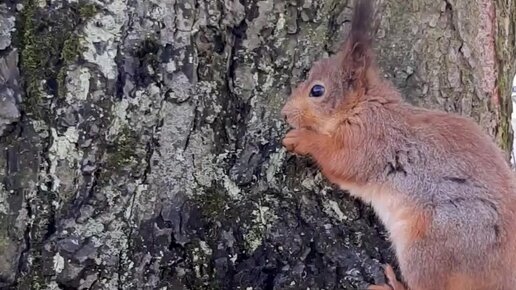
[[356, 50], [357, 60]]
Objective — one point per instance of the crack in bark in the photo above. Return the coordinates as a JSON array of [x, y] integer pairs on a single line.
[[192, 128]]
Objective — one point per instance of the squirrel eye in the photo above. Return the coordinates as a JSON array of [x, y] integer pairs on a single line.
[[317, 91]]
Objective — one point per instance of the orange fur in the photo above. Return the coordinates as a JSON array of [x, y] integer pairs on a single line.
[[463, 282], [438, 183]]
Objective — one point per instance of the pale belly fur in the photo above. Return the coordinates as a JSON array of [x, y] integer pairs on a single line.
[[394, 213]]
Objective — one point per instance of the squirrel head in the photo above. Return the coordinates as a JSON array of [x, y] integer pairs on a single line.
[[336, 83]]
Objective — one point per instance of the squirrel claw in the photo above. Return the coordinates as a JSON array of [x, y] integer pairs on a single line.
[[392, 281]]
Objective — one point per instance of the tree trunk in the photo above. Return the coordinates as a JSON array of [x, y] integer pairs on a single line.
[[143, 137]]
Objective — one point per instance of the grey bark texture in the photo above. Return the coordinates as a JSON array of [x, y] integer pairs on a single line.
[[142, 138]]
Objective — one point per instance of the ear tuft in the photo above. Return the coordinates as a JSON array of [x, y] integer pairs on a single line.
[[356, 51], [361, 22]]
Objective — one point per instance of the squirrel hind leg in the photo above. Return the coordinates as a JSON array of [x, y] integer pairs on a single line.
[[392, 281]]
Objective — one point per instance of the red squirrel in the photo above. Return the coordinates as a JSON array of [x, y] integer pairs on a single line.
[[440, 185]]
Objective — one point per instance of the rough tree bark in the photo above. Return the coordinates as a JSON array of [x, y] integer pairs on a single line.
[[142, 137]]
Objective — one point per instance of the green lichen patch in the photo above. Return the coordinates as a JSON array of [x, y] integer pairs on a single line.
[[250, 216], [87, 11], [31, 55], [49, 42], [71, 49], [215, 204], [122, 152], [505, 52], [217, 208]]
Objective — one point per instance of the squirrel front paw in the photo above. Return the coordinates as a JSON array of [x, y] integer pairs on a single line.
[[299, 141]]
